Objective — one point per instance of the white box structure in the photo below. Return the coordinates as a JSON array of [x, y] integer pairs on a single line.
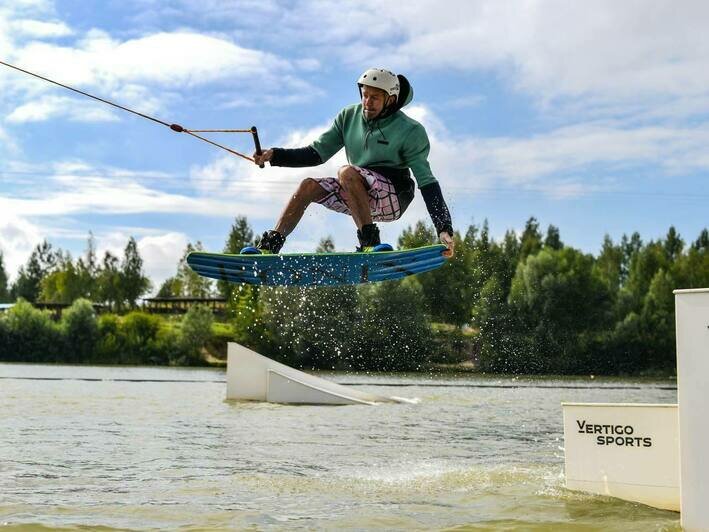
[[625, 451], [692, 322], [669, 468], [254, 377]]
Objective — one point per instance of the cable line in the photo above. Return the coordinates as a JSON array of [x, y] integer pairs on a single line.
[[175, 127]]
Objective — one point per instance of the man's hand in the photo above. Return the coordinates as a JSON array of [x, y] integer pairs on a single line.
[[264, 157], [448, 241]]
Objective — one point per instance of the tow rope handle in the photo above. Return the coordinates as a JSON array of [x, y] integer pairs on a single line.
[[257, 143]]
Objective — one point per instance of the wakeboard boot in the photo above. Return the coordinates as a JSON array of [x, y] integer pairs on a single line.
[[271, 243], [369, 240]]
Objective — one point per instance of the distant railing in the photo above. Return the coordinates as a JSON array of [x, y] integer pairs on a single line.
[[152, 305], [180, 305]]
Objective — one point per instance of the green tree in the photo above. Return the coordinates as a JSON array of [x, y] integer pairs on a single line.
[[87, 269], [702, 242], [422, 234], [196, 329], [531, 240], [631, 247], [4, 292], [41, 262], [562, 304], [498, 328], [447, 290], [609, 265], [326, 245], [192, 284], [308, 327], [658, 322], [392, 332], [67, 282], [673, 244], [691, 270], [553, 238], [109, 285], [133, 282], [240, 236], [171, 287]]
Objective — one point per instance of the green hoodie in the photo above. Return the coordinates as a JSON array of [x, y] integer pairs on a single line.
[[389, 145], [396, 141]]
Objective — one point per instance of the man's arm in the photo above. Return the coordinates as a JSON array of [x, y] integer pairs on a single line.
[[416, 157], [440, 215], [327, 145], [295, 158]]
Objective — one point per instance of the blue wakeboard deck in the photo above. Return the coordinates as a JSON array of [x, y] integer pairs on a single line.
[[316, 269]]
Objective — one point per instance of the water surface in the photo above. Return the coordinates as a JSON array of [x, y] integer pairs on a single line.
[[137, 448]]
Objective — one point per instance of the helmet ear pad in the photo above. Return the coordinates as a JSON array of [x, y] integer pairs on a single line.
[[405, 92]]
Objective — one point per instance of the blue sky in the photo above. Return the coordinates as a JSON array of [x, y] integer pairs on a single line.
[[590, 116]]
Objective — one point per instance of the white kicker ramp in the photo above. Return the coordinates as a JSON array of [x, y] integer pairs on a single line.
[[254, 377]]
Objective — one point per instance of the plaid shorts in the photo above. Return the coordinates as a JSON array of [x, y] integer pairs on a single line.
[[383, 201]]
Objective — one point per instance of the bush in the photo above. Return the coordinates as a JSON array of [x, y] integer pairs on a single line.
[[31, 335], [4, 338], [196, 329], [111, 341], [81, 331], [142, 345]]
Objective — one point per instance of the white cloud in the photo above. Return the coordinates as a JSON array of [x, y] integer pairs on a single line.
[[7, 142], [75, 188], [146, 72], [179, 58], [48, 107], [599, 53], [159, 250], [568, 150], [161, 254], [40, 28], [17, 238], [551, 48]]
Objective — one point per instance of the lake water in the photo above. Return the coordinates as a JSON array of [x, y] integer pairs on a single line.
[[137, 448]]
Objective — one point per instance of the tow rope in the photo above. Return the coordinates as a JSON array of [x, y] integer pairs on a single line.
[[175, 127]]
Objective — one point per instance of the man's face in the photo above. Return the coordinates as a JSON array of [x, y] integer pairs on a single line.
[[373, 101]]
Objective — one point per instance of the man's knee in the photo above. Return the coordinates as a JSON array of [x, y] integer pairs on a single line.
[[348, 176], [309, 189]]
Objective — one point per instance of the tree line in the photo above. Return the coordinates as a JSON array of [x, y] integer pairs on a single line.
[[524, 303], [28, 334], [51, 275]]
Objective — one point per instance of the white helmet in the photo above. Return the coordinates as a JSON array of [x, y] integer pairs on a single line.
[[381, 79]]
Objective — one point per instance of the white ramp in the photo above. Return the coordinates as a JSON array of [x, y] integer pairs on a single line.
[[254, 377]]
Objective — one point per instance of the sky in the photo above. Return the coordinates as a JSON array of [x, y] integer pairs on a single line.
[[591, 116]]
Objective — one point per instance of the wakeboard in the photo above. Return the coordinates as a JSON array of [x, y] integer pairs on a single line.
[[317, 269]]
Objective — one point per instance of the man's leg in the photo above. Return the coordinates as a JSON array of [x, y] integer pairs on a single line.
[[308, 192], [355, 188], [353, 185]]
